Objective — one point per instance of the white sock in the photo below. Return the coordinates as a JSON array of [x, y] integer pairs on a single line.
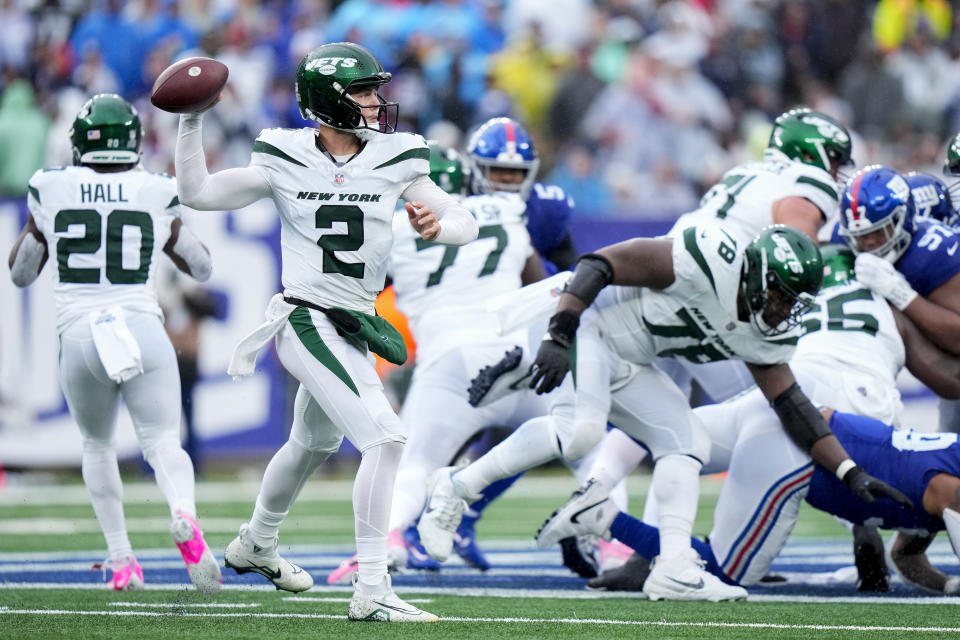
[[534, 443], [283, 479], [173, 470], [617, 455], [372, 495], [101, 474], [676, 484]]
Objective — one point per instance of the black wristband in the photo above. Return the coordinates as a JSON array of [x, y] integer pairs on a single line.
[[563, 328], [593, 273], [801, 420]]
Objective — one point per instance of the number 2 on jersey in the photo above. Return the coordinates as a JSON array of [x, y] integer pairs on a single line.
[[450, 253], [349, 241], [91, 240]]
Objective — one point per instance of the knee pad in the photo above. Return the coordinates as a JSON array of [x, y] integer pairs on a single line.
[[92, 446], [577, 442]]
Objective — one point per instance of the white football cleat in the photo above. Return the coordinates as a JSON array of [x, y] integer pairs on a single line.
[[501, 379], [384, 607], [243, 556], [441, 517], [589, 511], [683, 577]]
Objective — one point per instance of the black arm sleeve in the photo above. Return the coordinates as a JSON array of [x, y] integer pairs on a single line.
[[592, 274], [801, 420]]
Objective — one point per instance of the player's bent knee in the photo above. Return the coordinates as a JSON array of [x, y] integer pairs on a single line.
[[584, 438]]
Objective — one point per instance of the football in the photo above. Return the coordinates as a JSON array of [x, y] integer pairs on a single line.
[[190, 85]]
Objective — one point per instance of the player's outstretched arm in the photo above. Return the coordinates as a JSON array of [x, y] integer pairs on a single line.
[[436, 216], [933, 366], [28, 255], [938, 315], [187, 252], [809, 430], [221, 191], [799, 213], [533, 270]]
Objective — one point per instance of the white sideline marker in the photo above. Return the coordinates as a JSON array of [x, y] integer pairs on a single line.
[[577, 621]]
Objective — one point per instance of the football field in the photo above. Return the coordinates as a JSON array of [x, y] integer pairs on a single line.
[[49, 538]]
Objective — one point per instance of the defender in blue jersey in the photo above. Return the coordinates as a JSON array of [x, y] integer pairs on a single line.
[[912, 260]]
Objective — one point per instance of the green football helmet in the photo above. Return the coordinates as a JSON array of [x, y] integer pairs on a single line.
[[328, 74], [813, 138], [951, 167], [837, 265], [446, 169], [782, 272], [106, 131]]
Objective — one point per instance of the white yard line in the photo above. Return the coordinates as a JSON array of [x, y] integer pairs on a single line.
[[467, 592], [570, 621], [312, 599], [198, 605]]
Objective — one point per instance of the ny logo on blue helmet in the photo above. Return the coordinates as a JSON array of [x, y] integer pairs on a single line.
[[931, 198], [501, 143], [877, 213]]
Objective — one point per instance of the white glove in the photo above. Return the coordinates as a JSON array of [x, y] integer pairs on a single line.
[[884, 279]]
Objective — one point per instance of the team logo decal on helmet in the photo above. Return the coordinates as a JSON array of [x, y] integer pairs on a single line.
[[877, 213], [106, 131], [329, 74], [501, 143], [782, 272], [811, 137], [931, 198]]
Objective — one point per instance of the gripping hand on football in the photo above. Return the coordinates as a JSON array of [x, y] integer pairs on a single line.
[[868, 488], [884, 279]]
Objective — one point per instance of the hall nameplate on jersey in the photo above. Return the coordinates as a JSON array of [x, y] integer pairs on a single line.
[[341, 197], [101, 193]]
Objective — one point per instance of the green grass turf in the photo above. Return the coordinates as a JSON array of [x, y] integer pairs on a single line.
[[664, 620]]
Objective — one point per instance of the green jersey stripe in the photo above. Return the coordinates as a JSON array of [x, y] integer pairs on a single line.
[[823, 186], [34, 192], [420, 153], [302, 323], [792, 341], [259, 146], [174, 202], [690, 242]]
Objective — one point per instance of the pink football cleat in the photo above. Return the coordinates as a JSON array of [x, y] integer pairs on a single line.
[[126, 573], [201, 565]]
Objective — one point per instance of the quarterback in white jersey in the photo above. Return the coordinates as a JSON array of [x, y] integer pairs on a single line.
[[335, 187], [105, 222], [442, 289], [853, 347]]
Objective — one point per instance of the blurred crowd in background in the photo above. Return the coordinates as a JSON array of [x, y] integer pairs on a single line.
[[636, 106]]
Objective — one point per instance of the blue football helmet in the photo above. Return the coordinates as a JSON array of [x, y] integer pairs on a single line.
[[501, 143], [877, 199], [931, 198]]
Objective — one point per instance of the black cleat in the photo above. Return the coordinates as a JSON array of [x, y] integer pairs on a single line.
[[579, 556], [629, 577], [488, 376], [868, 555]]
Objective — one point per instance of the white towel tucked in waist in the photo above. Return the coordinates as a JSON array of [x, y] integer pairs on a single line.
[[522, 307], [116, 346], [245, 354]]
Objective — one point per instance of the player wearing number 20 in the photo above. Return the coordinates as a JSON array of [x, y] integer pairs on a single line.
[[335, 187], [106, 220]]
